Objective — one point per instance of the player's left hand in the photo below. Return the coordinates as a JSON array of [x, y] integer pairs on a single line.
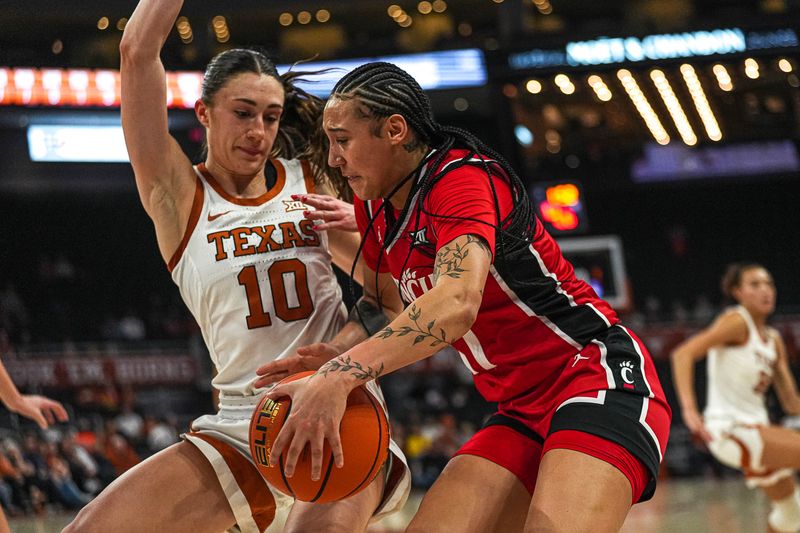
[[329, 212], [309, 357], [318, 405], [40, 409]]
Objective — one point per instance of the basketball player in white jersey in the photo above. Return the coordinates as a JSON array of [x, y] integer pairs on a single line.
[[745, 358], [254, 274]]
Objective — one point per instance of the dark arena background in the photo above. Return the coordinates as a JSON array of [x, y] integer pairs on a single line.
[[658, 139]]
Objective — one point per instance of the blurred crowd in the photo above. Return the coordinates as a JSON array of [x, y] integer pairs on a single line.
[[64, 467], [435, 408]]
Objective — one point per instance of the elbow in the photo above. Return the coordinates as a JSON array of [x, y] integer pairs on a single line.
[[127, 47], [679, 355], [134, 49], [466, 306]]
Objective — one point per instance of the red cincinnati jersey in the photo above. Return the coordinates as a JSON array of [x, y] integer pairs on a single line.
[[535, 315]]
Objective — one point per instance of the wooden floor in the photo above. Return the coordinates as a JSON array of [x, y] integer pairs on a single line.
[[691, 506]]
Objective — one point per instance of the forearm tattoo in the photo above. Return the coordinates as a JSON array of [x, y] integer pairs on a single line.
[[422, 333], [347, 365], [450, 257]]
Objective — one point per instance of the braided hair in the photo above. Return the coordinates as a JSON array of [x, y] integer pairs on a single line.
[[382, 89], [299, 135]]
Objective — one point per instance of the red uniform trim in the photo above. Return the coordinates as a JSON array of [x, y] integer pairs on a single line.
[[270, 194], [308, 176], [255, 489], [194, 216]]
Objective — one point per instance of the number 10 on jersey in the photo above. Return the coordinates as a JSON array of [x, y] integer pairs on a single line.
[[277, 275]]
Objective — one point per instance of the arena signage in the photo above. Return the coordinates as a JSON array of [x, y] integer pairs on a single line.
[[654, 47], [619, 50]]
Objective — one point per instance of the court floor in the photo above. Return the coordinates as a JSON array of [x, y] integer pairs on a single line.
[[695, 506]]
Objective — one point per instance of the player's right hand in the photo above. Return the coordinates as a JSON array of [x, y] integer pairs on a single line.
[[694, 422], [40, 409], [309, 357], [329, 212]]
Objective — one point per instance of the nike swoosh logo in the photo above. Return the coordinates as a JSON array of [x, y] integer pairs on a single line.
[[212, 218]]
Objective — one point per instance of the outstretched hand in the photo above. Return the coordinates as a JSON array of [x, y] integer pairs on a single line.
[[694, 422], [40, 409], [329, 212], [309, 357]]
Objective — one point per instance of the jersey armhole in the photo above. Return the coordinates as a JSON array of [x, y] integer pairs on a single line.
[[308, 176], [194, 216]]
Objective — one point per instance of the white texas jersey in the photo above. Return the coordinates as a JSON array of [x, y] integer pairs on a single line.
[[739, 377], [255, 275]]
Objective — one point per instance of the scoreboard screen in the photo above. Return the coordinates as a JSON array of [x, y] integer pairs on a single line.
[[560, 206], [599, 262]]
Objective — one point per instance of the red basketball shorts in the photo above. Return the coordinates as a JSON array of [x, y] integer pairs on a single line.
[[607, 403]]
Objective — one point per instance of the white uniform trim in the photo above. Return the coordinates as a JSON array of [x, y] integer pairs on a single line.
[[641, 361], [600, 399], [236, 498], [528, 311], [643, 421]]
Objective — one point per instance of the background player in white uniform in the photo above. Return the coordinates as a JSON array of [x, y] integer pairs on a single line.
[[255, 275], [41, 410], [745, 357]]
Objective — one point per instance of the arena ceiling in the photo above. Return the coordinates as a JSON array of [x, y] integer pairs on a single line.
[[46, 33]]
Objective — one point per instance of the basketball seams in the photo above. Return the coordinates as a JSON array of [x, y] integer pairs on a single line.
[[372, 473], [280, 460], [325, 479], [334, 485]]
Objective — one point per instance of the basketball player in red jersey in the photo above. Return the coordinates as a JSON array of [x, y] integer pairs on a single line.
[[255, 275], [582, 422]]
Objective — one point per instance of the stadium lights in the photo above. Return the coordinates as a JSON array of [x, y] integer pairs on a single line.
[[751, 68], [533, 86], [184, 29], [564, 83], [599, 87], [674, 107], [723, 78], [785, 65], [643, 106], [221, 31], [701, 102]]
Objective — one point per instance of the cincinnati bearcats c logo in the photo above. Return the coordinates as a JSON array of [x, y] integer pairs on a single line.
[[626, 369]]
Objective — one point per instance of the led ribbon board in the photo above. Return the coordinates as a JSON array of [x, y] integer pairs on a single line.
[[619, 50], [448, 69]]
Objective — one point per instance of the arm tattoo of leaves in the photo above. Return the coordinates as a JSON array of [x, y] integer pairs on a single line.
[[449, 258], [345, 364], [422, 333]]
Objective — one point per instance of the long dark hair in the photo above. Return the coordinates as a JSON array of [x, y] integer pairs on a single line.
[[299, 135], [383, 89]]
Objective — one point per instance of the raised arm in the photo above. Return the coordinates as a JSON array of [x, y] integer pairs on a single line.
[[729, 329], [164, 175], [784, 382]]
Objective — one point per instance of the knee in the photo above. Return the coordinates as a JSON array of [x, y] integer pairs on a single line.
[[785, 514], [83, 522], [541, 520], [417, 526]]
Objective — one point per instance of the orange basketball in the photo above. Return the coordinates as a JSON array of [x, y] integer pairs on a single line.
[[365, 443]]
